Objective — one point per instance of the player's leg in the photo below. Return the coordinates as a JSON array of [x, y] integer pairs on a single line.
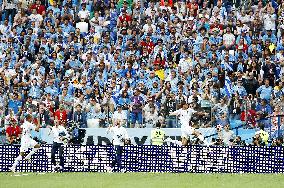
[[115, 159], [53, 152], [184, 137], [61, 158], [17, 160], [35, 146], [118, 157]]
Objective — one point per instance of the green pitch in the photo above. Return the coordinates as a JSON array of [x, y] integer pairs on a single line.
[[137, 180]]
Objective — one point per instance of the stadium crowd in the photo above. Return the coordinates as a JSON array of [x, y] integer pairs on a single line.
[[95, 61]]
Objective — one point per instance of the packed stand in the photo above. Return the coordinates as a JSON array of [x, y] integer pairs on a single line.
[[93, 62]]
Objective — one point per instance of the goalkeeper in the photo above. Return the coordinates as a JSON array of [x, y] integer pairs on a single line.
[[61, 137]]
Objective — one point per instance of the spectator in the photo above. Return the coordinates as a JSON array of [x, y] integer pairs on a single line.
[[220, 110], [251, 84], [13, 132], [120, 115], [60, 116], [14, 103], [95, 117], [168, 107], [9, 9], [78, 116], [262, 111], [264, 91], [136, 109], [227, 135], [196, 52]]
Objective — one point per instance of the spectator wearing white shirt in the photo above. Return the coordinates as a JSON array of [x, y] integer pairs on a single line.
[[84, 13], [9, 8], [172, 78], [150, 8], [148, 25], [185, 63], [228, 40], [151, 114], [269, 19], [119, 115], [37, 18], [227, 135], [5, 28]]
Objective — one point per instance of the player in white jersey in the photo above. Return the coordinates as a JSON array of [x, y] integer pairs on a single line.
[[185, 114], [27, 141], [61, 137], [120, 137]]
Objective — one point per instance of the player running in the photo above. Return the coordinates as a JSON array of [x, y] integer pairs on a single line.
[[27, 141], [120, 137], [185, 114]]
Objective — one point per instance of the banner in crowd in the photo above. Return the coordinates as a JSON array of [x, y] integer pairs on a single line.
[[196, 159]]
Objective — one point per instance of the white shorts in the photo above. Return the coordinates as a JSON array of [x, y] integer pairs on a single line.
[[187, 131], [26, 144]]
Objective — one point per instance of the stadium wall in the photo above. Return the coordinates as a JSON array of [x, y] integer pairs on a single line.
[[195, 159], [99, 136]]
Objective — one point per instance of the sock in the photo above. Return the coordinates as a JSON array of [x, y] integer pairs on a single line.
[[17, 161], [31, 153]]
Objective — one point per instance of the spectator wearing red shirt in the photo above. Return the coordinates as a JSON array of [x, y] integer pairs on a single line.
[[148, 43], [159, 61], [193, 6], [61, 116], [124, 17], [13, 132], [38, 6], [216, 26]]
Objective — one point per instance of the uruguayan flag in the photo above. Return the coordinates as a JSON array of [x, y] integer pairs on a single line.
[[228, 87]]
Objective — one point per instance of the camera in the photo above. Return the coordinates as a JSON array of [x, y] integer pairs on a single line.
[[77, 135]]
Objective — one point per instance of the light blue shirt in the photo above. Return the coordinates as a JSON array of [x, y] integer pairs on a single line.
[[265, 92]]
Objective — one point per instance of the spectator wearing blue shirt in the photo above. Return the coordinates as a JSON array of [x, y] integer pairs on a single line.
[[240, 89], [265, 91], [269, 36], [79, 116], [35, 91], [14, 103], [263, 110], [50, 88]]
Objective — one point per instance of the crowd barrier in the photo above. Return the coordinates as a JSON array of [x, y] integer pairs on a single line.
[[99, 136], [194, 159]]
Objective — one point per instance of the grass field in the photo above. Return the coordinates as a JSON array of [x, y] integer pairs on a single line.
[[143, 180], [137, 180]]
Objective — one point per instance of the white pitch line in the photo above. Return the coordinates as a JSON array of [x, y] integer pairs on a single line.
[[41, 173]]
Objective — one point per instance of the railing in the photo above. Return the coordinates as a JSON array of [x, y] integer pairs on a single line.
[[195, 159]]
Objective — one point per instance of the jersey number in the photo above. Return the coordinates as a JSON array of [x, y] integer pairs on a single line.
[[158, 133]]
